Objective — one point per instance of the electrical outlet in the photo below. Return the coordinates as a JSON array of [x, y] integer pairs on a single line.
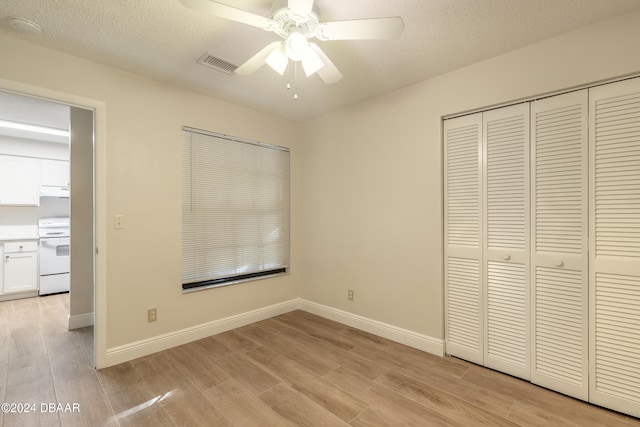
[[152, 315], [350, 294]]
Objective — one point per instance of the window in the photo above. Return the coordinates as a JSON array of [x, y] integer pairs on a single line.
[[235, 209]]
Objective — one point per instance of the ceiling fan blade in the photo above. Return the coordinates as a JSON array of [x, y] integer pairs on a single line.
[[300, 7], [228, 12], [257, 60], [329, 73], [361, 29]]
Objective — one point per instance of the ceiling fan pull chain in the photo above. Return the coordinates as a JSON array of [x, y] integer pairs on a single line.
[[295, 80], [293, 70]]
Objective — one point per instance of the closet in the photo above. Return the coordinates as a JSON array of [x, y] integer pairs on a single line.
[[542, 242]]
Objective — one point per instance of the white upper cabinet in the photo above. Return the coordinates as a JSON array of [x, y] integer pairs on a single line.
[[20, 179], [55, 173]]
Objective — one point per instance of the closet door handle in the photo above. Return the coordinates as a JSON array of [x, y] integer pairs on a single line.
[[506, 257], [558, 262]]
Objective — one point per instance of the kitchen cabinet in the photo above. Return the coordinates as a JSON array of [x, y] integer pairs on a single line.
[[55, 173], [19, 181], [20, 266]]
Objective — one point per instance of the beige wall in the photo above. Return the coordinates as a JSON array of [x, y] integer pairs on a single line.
[[138, 125], [372, 174]]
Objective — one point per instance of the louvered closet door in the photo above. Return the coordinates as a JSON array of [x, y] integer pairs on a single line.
[[559, 261], [614, 144], [506, 232], [463, 244]]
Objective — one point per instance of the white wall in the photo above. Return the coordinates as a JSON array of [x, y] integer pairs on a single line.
[[29, 215], [372, 173], [138, 155], [33, 148]]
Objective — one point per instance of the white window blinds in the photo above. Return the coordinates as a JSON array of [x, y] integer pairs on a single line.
[[235, 209]]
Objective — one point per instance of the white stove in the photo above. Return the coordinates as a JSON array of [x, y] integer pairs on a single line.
[[54, 255]]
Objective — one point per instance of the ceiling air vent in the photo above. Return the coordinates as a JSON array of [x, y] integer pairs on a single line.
[[216, 63]]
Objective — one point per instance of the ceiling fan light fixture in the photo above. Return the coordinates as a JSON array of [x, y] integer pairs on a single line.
[[296, 45], [311, 62], [278, 60]]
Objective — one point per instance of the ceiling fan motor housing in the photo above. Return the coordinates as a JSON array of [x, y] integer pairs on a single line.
[[287, 22]]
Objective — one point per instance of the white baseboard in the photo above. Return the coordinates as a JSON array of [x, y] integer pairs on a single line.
[[124, 353], [18, 295], [394, 333], [80, 321], [148, 346]]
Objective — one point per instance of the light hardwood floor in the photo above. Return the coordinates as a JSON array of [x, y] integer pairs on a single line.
[[295, 369]]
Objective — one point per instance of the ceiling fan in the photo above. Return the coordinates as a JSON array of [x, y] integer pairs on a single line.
[[297, 22]]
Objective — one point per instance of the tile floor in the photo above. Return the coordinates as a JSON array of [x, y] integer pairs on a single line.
[[295, 369]]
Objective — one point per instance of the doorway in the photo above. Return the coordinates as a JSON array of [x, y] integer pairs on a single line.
[[79, 207]]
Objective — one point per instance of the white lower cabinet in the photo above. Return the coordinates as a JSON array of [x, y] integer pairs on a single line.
[[20, 266], [542, 242]]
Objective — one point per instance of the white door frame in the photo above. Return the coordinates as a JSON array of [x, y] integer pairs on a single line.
[[99, 209]]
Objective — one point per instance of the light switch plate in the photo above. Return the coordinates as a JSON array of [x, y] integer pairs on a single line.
[[118, 221]]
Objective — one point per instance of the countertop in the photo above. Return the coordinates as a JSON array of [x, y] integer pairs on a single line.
[[19, 232]]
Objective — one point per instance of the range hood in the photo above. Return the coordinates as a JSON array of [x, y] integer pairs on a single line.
[[48, 191]]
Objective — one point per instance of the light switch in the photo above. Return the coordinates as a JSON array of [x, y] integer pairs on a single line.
[[119, 221]]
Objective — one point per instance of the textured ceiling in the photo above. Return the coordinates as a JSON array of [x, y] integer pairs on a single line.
[[163, 39], [33, 111]]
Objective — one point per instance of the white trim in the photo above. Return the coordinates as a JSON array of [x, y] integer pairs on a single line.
[[151, 345], [17, 295], [148, 346], [394, 333], [80, 321]]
